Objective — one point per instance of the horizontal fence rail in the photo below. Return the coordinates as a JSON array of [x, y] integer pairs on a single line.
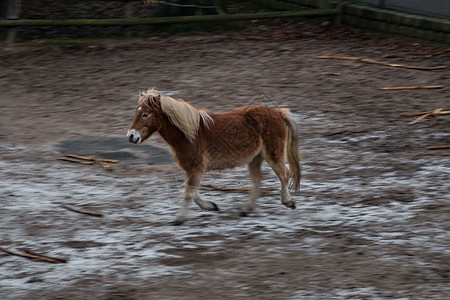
[[339, 11], [171, 20]]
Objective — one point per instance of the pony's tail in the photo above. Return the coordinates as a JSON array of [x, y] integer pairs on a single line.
[[292, 152]]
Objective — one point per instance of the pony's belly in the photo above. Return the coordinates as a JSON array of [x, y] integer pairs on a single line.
[[228, 164], [231, 160]]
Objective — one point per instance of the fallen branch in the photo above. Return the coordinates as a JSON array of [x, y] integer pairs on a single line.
[[435, 114], [234, 189], [445, 112], [416, 114], [36, 256], [368, 60], [92, 158], [438, 147], [89, 160], [82, 211], [413, 87], [56, 259], [76, 161]]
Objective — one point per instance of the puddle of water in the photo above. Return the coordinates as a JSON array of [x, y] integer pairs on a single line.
[[336, 293], [133, 239], [116, 148]]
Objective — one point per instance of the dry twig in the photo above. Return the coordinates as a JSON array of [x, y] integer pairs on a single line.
[[234, 189], [416, 114], [435, 114], [413, 87], [33, 255], [82, 211], [89, 160], [76, 161], [56, 259], [438, 147], [368, 60], [92, 158]]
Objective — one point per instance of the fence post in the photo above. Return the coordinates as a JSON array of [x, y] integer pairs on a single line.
[[340, 15], [325, 4], [11, 11], [127, 14], [219, 7]]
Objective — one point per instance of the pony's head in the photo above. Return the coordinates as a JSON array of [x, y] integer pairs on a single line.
[[146, 116], [153, 110]]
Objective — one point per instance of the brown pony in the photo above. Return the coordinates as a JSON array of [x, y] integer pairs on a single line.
[[201, 141]]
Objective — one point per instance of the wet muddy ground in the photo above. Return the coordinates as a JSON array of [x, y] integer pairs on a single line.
[[372, 218]]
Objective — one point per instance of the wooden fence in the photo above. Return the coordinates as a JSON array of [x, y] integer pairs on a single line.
[[339, 11], [320, 8]]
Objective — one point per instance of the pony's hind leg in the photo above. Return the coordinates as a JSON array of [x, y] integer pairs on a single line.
[[254, 169], [191, 193], [283, 174]]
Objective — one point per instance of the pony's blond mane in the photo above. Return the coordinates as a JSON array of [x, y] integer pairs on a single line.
[[183, 115]]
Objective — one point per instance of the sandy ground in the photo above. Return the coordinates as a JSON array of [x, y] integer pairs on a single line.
[[372, 218]]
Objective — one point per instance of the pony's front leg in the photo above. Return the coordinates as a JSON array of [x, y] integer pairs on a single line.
[[184, 209], [191, 193]]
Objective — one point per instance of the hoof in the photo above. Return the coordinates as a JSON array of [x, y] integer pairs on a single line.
[[177, 223], [243, 214], [290, 205], [215, 207]]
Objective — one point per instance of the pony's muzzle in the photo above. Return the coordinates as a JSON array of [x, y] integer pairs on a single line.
[[134, 136]]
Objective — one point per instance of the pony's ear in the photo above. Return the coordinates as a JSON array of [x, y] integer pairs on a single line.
[[141, 93], [156, 100]]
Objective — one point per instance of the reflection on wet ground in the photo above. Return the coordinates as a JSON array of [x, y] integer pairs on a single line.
[[374, 207], [116, 148]]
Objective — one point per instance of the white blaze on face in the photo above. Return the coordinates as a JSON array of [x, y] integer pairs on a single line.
[[134, 136]]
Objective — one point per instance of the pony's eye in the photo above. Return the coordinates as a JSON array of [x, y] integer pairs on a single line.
[[145, 115]]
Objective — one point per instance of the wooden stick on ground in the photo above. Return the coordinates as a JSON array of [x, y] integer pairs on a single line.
[[34, 255], [413, 87], [82, 211], [76, 161], [92, 158], [368, 60], [234, 189], [416, 114], [57, 259], [89, 160], [435, 114], [438, 111], [438, 147], [101, 161]]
